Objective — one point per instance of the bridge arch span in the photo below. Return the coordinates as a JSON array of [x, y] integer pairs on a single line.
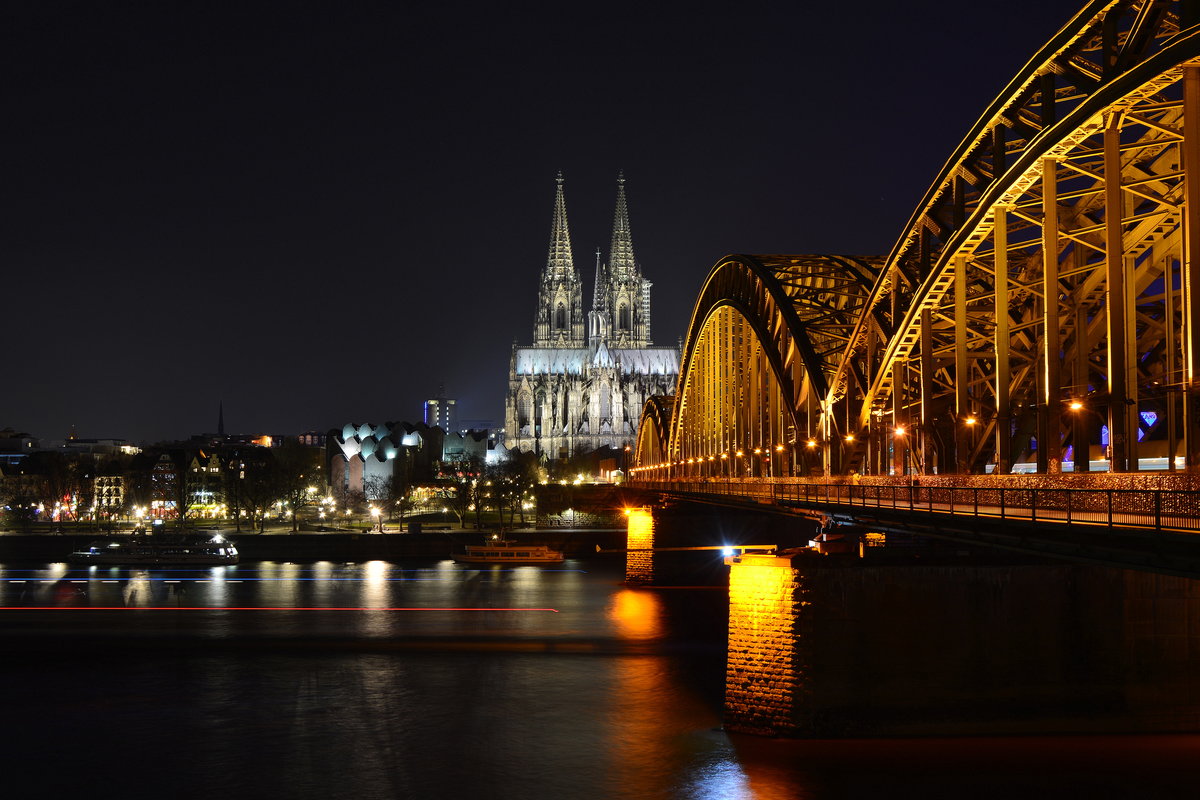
[[765, 338], [1040, 309], [653, 432]]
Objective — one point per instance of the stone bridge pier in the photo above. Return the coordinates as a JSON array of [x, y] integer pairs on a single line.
[[827, 646]]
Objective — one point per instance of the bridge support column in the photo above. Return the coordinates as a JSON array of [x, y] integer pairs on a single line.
[[1001, 344], [929, 454], [1050, 418], [1081, 427], [900, 443], [1190, 277], [962, 377], [1116, 304], [639, 538], [765, 675]]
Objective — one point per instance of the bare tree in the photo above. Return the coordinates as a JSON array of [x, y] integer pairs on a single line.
[[299, 477], [350, 501]]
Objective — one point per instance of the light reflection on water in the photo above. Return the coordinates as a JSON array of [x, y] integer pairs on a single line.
[[616, 693]]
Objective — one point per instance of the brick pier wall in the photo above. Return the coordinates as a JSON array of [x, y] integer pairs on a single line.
[[826, 647], [766, 677], [639, 538]]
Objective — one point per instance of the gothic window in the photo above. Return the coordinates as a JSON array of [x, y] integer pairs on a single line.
[[605, 402], [524, 409], [560, 317], [623, 318]]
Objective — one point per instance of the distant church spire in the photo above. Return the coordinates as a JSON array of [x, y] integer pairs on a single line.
[[621, 263], [560, 264]]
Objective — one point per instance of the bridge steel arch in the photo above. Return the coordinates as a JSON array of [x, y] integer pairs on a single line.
[[1042, 304], [767, 335], [653, 431], [1043, 296]]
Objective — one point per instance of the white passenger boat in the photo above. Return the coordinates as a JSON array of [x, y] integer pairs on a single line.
[[159, 549], [506, 552]]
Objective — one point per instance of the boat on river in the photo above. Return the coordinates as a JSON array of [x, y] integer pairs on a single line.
[[209, 548], [508, 552]]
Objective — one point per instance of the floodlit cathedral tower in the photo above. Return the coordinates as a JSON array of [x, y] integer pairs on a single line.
[[569, 394], [560, 300], [622, 294]]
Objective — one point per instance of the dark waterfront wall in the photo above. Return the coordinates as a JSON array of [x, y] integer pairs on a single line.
[[827, 647], [331, 546]]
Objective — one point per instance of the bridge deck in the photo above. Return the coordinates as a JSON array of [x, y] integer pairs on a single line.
[[1167, 510], [1144, 529]]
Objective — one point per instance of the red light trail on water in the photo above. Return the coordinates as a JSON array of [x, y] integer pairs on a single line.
[[254, 608]]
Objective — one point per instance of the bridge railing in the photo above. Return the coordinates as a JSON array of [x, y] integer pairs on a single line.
[[1156, 509]]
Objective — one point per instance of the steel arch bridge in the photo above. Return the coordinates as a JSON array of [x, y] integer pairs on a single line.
[[1041, 307]]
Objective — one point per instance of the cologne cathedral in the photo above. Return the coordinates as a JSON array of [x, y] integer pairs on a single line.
[[582, 383]]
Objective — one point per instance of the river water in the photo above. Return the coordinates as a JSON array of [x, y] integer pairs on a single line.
[[430, 680]]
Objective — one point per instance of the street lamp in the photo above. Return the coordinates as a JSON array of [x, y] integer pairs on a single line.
[[1082, 436]]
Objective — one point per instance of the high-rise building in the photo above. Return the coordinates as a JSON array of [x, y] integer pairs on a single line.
[[582, 383], [442, 412]]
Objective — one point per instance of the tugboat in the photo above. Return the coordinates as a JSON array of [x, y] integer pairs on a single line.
[[210, 548]]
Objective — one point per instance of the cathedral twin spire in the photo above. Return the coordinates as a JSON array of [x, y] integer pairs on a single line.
[[621, 299], [560, 263], [621, 263]]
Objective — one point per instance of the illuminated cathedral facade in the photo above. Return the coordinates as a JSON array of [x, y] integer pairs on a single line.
[[581, 385]]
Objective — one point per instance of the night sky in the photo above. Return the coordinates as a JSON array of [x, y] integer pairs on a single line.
[[320, 213]]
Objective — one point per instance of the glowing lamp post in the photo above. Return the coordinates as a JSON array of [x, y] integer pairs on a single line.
[[1082, 437], [778, 452], [899, 450]]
